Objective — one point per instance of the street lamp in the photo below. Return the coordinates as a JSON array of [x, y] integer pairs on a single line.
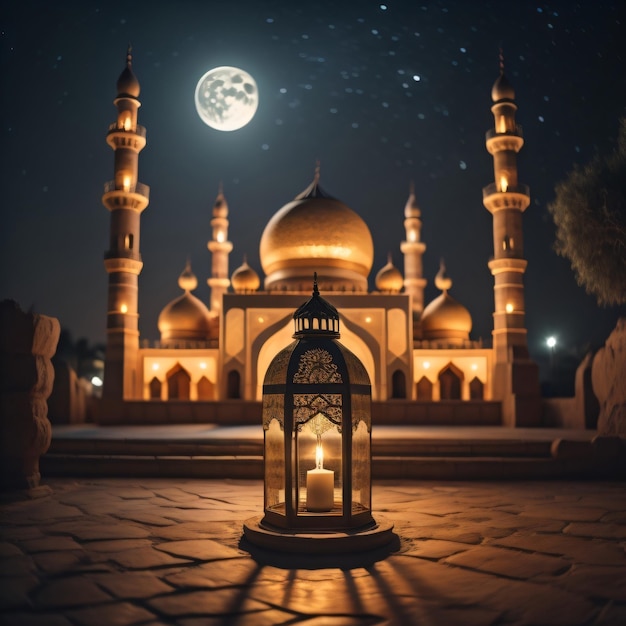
[[551, 343]]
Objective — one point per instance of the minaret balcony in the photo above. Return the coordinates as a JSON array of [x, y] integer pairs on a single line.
[[135, 197], [500, 142], [120, 137], [515, 197], [517, 132]]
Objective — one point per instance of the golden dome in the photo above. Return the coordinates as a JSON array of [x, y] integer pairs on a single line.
[[389, 279], [186, 318], [445, 318], [245, 279], [127, 83], [316, 232], [502, 89]]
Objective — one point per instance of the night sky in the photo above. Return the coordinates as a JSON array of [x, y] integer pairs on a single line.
[[381, 94]]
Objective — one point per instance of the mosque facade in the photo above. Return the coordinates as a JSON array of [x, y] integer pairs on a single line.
[[219, 352]]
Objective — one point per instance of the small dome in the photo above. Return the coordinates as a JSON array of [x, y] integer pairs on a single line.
[[186, 318], [127, 83], [445, 318], [315, 232], [316, 316], [389, 279], [502, 89], [245, 279]]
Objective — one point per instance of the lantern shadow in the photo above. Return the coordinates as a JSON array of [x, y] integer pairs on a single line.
[[336, 560]]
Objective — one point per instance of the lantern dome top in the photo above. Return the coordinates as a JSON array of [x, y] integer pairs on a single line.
[[316, 316]]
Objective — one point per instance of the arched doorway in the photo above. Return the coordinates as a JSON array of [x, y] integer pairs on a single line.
[[398, 384], [155, 389], [476, 389], [233, 385], [450, 379], [206, 389], [424, 389], [178, 383]]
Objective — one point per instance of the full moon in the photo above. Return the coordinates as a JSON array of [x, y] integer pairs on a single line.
[[226, 98]]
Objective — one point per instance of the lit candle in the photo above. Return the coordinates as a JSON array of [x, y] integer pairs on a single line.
[[320, 485]]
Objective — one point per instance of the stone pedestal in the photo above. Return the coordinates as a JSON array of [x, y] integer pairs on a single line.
[[27, 343], [608, 376]]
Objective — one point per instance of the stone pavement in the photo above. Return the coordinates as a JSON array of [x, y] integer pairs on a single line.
[[165, 551]]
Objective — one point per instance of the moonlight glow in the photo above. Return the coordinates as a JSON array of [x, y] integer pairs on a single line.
[[226, 98]]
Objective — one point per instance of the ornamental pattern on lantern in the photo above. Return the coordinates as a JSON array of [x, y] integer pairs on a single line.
[[317, 406], [273, 405], [316, 366], [275, 374]]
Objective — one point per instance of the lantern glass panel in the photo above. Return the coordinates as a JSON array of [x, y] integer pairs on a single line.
[[275, 467], [319, 467], [361, 491]]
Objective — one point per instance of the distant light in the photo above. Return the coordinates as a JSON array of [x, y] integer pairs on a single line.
[[509, 308], [383, 7], [463, 165], [155, 366], [551, 342], [541, 118], [368, 320], [426, 365], [260, 319], [474, 366], [124, 308], [203, 365], [96, 381]]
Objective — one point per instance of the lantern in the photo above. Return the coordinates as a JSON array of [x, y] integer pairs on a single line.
[[317, 442]]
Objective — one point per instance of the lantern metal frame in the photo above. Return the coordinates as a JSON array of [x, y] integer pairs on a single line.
[[316, 390]]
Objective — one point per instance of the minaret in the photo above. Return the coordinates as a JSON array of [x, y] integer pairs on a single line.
[[220, 248], [515, 376], [413, 249], [125, 198]]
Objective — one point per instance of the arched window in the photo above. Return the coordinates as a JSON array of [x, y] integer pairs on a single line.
[[233, 385], [178, 383], [155, 389], [450, 379], [424, 389], [206, 389], [476, 389], [398, 384]]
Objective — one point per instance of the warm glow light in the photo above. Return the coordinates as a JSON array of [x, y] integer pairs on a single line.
[[412, 236], [509, 307], [474, 366], [96, 381], [155, 366], [221, 237], [260, 319], [124, 308], [319, 456], [426, 365], [504, 183], [501, 124], [551, 342], [126, 182], [127, 123], [203, 365], [368, 320]]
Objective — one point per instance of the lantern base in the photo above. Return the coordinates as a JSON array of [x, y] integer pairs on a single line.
[[364, 539]]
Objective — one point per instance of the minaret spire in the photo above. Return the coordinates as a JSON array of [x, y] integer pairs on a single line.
[[125, 197], [220, 248], [413, 249], [515, 377]]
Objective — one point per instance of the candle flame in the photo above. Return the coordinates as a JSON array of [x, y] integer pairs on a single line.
[[319, 456], [504, 183]]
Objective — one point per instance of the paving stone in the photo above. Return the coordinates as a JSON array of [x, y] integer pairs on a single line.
[[68, 592], [591, 551], [218, 574], [34, 619], [595, 580], [606, 531], [14, 591], [145, 518], [119, 614], [131, 585], [116, 545], [50, 544], [435, 548], [90, 531], [9, 549], [560, 511], [199, 549], [144, 558], [200, 603], [57, 562], [510, 563], [16, 566]]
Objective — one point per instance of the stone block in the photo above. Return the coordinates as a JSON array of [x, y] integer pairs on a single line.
[[567, 449]]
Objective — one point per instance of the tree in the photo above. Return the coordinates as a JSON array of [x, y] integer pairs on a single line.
[[590, 217]]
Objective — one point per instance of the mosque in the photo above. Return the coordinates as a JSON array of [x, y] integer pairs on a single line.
[[420, 358]]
